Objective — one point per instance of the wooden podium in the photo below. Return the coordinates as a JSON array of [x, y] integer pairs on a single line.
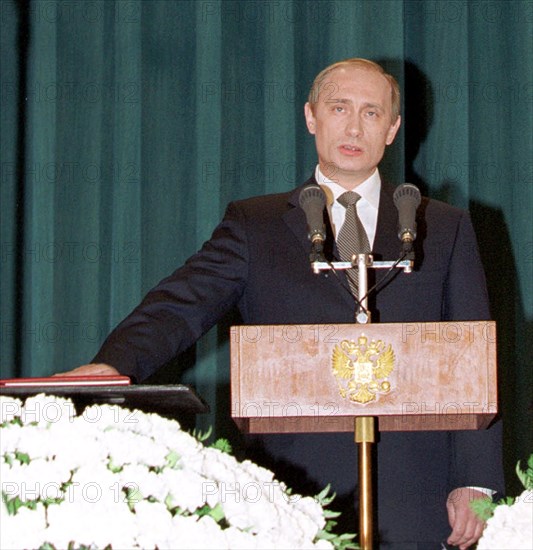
[[321, 378]]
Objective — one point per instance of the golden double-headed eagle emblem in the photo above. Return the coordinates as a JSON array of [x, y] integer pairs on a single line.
[[362, 368]]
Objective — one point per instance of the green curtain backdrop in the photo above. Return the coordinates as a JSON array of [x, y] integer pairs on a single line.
[[127, 126]]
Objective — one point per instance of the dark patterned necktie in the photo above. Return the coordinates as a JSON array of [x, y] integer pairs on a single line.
[[352, 238]]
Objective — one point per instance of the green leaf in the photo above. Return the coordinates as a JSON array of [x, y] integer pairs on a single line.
[[330, 525], [202, 436], [72, 546], [114, 467], [172, 459], [526, 476], [49, 501], [222, 445], [339, 542], [16, 421], [217, 513], [325, 535], [322, 497], [174, 510], [23, 458], [133, 495], [483, 508], [344, 541], [12, 505]]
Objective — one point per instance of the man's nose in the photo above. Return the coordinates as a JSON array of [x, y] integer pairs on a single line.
[[354, 127]]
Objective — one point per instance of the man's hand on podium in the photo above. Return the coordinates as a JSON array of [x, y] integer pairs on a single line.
[[466, 526], [93, 369]]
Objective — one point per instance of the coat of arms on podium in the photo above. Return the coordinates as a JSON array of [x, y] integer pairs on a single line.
[[362, 369]]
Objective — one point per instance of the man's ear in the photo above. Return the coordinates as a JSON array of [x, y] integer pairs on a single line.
[[393, 130], [310, 118]]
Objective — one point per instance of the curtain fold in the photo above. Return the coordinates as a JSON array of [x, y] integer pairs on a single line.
[[128, 125], [42, 245]]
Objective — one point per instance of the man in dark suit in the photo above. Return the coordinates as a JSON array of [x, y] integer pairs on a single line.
[[258, 259]]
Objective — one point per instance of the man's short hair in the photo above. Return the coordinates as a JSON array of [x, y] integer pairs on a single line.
[[359, 63]]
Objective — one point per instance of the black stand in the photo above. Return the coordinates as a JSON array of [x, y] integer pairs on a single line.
[[173, 400]]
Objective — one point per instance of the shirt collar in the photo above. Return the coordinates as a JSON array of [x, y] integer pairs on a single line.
[[368, 189]]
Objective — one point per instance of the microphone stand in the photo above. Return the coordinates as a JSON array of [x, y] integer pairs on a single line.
[[364, 428]]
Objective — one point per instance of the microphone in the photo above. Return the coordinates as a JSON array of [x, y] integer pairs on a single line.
[[406, 199], [312, 202]]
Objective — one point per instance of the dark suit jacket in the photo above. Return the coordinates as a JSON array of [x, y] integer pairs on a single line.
[[258, 259]]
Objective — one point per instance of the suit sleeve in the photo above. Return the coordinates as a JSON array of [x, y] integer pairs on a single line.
[[476, 455], [465, 294], [183, 306]]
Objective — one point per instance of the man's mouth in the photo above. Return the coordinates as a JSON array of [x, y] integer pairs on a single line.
[[348, 149]]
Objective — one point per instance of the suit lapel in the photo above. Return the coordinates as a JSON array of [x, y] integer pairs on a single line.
[[386, 244], [295, 217]]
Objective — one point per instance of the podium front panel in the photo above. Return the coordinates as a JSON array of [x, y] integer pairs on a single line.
[[316, 378]]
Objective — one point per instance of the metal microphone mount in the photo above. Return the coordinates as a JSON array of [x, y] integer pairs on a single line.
[[362, 262]]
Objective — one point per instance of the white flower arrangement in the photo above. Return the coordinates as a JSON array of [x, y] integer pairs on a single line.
[[510, 522], [113, 478]]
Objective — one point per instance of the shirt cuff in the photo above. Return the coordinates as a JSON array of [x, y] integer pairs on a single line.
[[488, 492]]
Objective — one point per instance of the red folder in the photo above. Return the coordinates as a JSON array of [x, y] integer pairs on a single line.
[[66, 381]]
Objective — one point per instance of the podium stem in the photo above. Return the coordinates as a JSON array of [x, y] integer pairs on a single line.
[[365, 437]]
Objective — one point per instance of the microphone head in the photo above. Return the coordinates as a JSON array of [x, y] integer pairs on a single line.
[[312, 201], [312, 195], [407, 199], [407, 194]]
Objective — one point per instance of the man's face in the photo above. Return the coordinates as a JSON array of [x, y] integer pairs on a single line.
[[352, 124]]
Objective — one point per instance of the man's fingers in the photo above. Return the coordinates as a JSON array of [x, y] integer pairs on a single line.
[[94, 369], [466, 526], [466, 535]]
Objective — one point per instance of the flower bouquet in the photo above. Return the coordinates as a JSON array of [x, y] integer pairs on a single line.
[[112, 478], [510, 521]]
